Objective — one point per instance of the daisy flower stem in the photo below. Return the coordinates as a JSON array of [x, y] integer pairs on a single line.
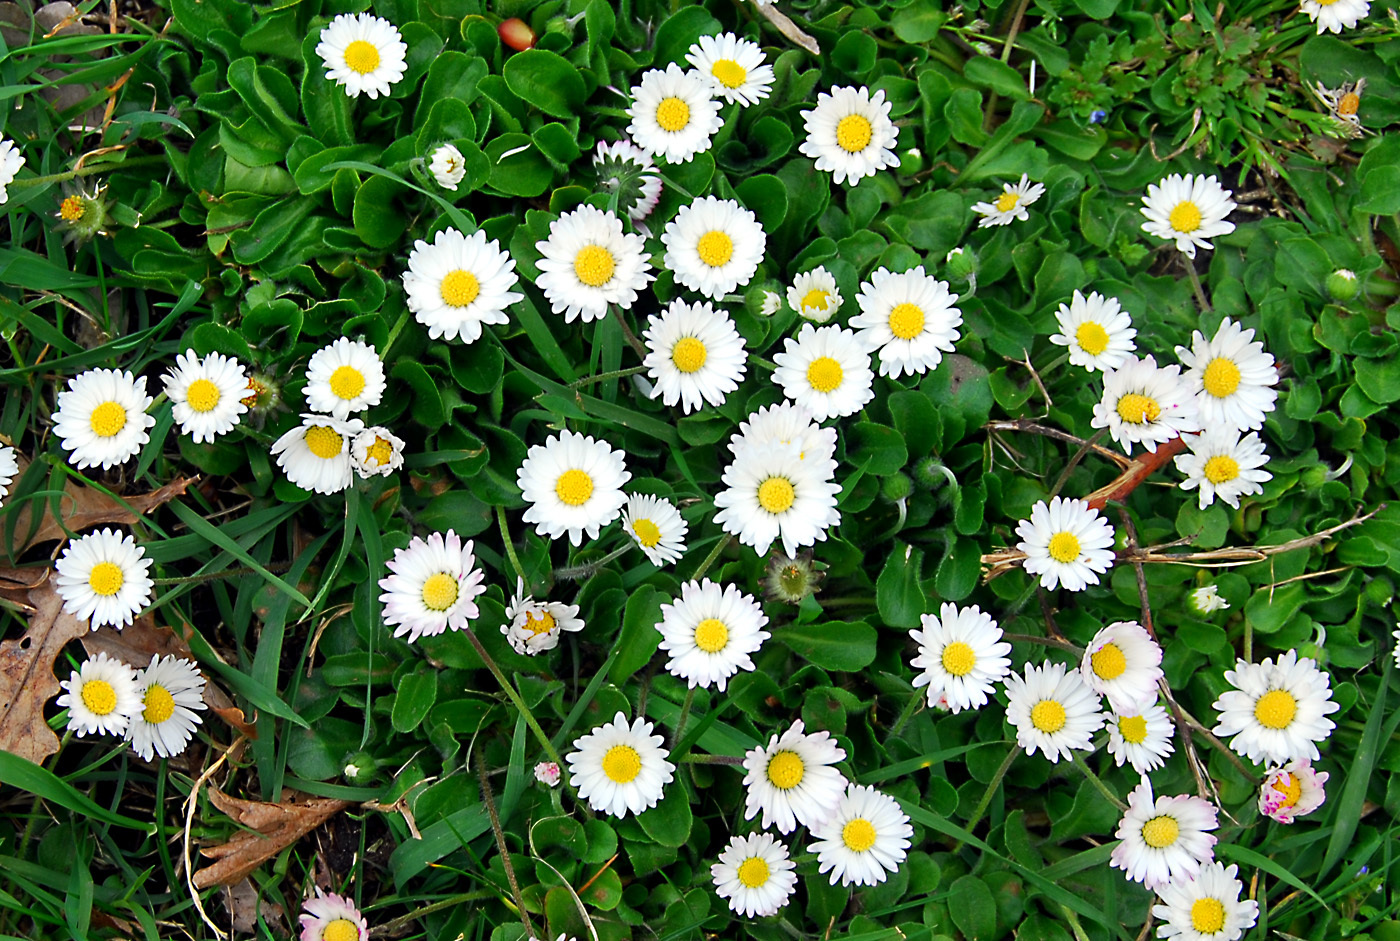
[[762, 363], [605, 376], [685, 715], [711, 759], [274, 567], [911, 708], [710, 559], [589, 569], [992, 789], [509, 690], [86, 171], [394, 333], [1196, 286], [627, 333], [1045, 641], [389, 928], [501, 846], [510, 547], [1095, 780], [1075, 459]]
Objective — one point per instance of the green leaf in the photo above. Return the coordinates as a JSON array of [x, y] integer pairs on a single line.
[[832, 645], [679, 31], [877, 448], [517, 166], [958, 572], [380, 221], [1359, 774], [766, 195], [639, 638], [428, 408], [996, 75], [669, 822], [973, 908], [918, 22], [415, 695], [547, 81], [1379, 379], [25, 775], [898, 594]]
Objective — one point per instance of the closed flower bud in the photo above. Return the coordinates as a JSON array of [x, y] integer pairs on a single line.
[[1342, 285]]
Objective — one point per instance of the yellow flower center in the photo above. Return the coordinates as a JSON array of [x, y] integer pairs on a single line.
[[858, 835], [816, 298], [711, 635], [1108, 662], [202, 396], [1048, 716], [853, 133], [1064, 547], [1289, 785], [362, 57], [381, 452], [255, 391], [907, 321], [730, 74], [1275, 709], [959, 658], [1221, 469], [1138, 409], [824, 374], [1207, 915], [715, 248], [1222, 377], [106, 579], [159, 705], [647, 532], [1007, 201], [776, 494], [785, 770], [1186, 217], [100, 697], [347, 382], [107, 419], [459, 288], [753, 872], [541, 623], [688, 355], [574, 487], [439, 591], [73, 208], [1092, 338], [1349, 103], [1160, 831], [342, 929], [622, 763], [1133, 729], [324, 441], [594, 265], [672, 114]]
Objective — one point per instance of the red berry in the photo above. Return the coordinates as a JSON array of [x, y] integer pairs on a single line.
[[517, 34]]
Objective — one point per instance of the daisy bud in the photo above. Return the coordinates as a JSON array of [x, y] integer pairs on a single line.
[[359, 768], [1206, 600], [515, 33], [896, 487], [547, 773], [931, 473], [962, 263], [1342, 285], [791, 579]]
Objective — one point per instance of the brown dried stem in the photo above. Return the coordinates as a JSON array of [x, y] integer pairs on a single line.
[[501, 847], [1035, 428]]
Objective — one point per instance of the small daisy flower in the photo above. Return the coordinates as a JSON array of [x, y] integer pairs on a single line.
[[11, 159], [171, 692], [656, 526], [535, 626], [673, 114], [961, 654], [864, 840], [431, 586], [1206, 600], [709, 633], [619, 768], [792, 780], [1232, 377], [909, 318], [315, 455], [736, 68], [573, 484], [755, 874], [363, 54], [1163, 840], [1097, 331], [344, 378], [104, 576], [1277, 712], [1066, 542], [1206, 908], [1142, 739], [548, 774], [772, 303], [850, 134], [1053, 710], [1224, 465], [627, 170], [1336, 15], [206, 395], [100, 696], [459, 283], [331, 917], [375, 452], [825, 370], [1293, 791], [1123, 664], [1011, 205], [102, 418], [695, 355], [1145, 404], [714, 246], [448, 167], [1187, 210], [786, 423], [9, 470], [814, 295], [590, 263], [772, 493]]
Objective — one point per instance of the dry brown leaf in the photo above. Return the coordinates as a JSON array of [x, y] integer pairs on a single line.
[[27, 680], [243, 904], [277, 826]]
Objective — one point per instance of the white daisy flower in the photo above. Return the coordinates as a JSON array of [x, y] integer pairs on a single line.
[[9, 470], [673, 114], [1187, 210], [535, 626], [100, 696], [786, 423], [961, 654], [1053, 710], [206, 396], [1067, 542], [850, 134], [1123, 664], [618, 768], [864, 840], [573, 484], [1011, 205], [102, 418], [548, 773], [11, 159], [792, 780], [1145, 404], [709, 633], [590, 263], [1276, 712], [714, 246], [448, 166], [171, 692], [656, 526], [1206, 908], [695, 355], [1163, 840], [331, 917], [376, 451], [736, 68], [1293, 791], [910, 318], [458, 283], [315, 455], [627, 170], [1396, 652], [772, 303], [344, 378], [1206, 599], [431, 586], [1097, 330], [814, 295], [1232, 377], [1224, 465], [773, 493], [104, 576], [755, 874], [1336, 15], [362, 53], [825, 370], [1142, 739]]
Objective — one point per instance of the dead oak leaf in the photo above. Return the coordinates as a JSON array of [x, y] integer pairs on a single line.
[[275, 826], [27, 680]]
